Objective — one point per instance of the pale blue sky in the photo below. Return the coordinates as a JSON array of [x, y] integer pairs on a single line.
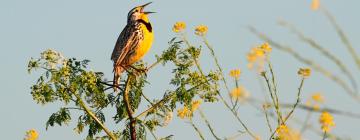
[[89, 28]]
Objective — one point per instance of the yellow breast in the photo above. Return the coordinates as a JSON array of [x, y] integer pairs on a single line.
[[144, 45]]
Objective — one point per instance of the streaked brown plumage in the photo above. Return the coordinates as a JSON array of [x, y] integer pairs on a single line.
[[133, 43]]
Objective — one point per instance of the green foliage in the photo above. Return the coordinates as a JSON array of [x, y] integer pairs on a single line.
[[60, 117], [70, 82], [188, 78], [140, 131]]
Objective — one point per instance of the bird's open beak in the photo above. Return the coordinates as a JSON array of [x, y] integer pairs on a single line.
[[143, 6], [149, 12]]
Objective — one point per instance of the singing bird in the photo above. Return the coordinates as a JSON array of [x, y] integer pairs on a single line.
[[134, 41]]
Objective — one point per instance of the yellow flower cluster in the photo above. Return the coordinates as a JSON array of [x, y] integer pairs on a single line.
[[282, 129], [285, 133], [201, 30], [185, 112], [31, 135], [179, 26], [239, 93], [326, 121], [315, 101], [235, 73], [195, 105], [258, 55], [315, 4], [304, 72]]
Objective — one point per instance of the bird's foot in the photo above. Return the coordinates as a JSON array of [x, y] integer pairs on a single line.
[[139, 71]]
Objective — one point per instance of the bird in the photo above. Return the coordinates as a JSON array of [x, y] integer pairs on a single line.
[[133, 43]]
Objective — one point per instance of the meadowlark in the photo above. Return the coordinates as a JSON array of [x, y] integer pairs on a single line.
[[133, 43]]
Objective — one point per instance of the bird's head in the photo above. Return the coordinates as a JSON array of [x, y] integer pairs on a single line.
[[139, 13]]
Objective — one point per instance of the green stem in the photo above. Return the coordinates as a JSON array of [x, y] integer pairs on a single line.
[[297, 101], [208, 124], [93, 116], [197, 130], [221, 97], [278, 113], [212, 52]]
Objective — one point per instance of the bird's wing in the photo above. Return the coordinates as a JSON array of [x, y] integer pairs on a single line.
[[127, 41], [120, 43]]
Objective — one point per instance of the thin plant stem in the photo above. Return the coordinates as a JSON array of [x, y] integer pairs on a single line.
[[305, 107], [306, 122], [274, 87], [208, 124], [278, 113], [93, 116], [309, 62], [322, 50], [293, 108], [197, 130], [237, 99], [267, 119], [162, 101], [343, 37], [297, 100], [324, 136], [218, 93], [151, 132], [212, 52]]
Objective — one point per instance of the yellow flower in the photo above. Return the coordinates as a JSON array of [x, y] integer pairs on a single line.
[[235, 73], [315, 4], [304, 72], [326, 121], [184, 113], [285, 133], [258, 56], [317, 97], [195, 105], [201, 30], [179, 26], [266, 47], [282, 129], [31, 135], [239, 93]]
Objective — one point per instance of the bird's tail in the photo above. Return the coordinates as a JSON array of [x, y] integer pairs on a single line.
[[117, 75]]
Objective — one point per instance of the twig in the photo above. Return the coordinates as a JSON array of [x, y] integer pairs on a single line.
[[323, 51], [197, 130], [297, 101], [343, 37], [208, 124], [212, 52], [305, 107], [306, 121], [314, 65], [267, 119], [277, 110], [128, 107], [93, 116], [324, 136]]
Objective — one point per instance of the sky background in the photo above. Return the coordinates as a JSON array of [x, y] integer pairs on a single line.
[[88, 29]]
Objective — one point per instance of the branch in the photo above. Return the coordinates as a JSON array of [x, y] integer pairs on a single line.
[[128, 108], [93, 116]]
